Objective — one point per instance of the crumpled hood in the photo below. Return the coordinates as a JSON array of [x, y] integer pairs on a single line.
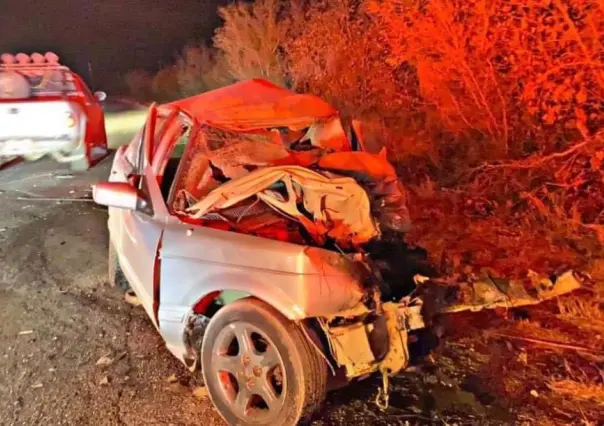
[[256, 104]]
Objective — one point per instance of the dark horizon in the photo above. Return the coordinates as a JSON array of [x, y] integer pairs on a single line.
[[114, 36]]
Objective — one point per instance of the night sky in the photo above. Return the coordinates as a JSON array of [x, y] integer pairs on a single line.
[[114, 35]]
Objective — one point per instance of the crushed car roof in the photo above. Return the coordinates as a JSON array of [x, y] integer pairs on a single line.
[[256, 104]]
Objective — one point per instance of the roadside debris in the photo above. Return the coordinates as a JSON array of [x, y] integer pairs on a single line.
[[558, 345], [485, 292], [37, 386], [104, 361], [104, 381], [25, 332], [10, 161], [131, 299]]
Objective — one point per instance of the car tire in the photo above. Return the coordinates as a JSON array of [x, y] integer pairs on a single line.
[[271, 339], [115, 273]]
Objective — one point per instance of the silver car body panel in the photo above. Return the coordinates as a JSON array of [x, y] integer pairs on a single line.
[[299, 281]]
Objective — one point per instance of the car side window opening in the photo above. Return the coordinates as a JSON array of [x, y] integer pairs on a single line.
[[133, 150], [171, 167]]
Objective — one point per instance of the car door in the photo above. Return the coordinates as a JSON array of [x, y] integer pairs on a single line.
[[141, 230]]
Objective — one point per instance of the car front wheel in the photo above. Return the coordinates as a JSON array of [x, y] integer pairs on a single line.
[[259, 367]]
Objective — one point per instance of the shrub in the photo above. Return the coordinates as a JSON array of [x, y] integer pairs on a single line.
[[138, 84], [201, 68], [165, 86], [250, 38], [517, 76]]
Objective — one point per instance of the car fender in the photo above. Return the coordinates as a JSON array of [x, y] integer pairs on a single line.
[[296, 296]]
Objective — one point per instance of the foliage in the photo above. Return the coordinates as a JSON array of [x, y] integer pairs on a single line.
[[165, 84], [201, 68], [138, 84], [250, 39], [197, 69], [509, 69]]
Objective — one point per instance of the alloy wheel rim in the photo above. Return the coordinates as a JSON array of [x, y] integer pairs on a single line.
[[249, 371]]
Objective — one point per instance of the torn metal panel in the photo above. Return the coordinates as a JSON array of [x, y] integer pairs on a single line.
[[397, 356], [328, 134], [378, 176], [364, 341], [235, 153], [352, 350], [335, 207], [489, 293], [256, 104]]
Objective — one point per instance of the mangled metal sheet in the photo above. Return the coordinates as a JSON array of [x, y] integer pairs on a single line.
[[490, 293], [379, 178], [256, 104], [327, 206]]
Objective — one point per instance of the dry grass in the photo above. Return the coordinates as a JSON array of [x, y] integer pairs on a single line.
[[578, 390], [535, 330], [583, 312]]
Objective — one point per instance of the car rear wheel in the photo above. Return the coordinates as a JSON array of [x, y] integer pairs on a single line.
[[259, 367], [115, 273]]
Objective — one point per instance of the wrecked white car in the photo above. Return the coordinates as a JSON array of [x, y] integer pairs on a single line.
[[265, 245], [239, 218]]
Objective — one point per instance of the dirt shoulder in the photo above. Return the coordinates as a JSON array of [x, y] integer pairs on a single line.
[[59, 318]]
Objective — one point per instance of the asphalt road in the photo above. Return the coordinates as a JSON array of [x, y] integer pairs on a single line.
[[59, 317]]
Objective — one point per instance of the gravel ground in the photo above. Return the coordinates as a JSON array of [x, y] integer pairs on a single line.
[[59, 318]]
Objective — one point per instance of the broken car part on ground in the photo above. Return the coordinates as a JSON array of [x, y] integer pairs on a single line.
[[266, 245]]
